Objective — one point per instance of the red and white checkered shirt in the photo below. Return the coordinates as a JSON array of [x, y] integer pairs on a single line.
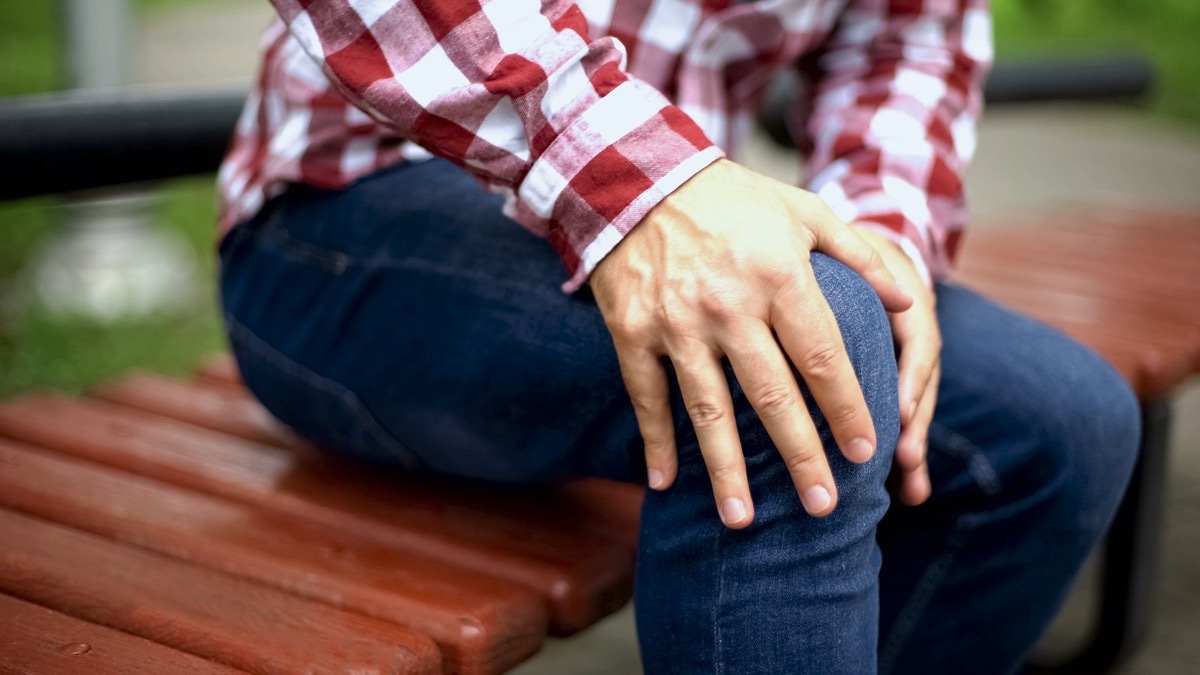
[[585, 114]]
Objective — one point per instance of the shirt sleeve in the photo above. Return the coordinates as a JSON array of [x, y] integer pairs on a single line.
[[515, 92], [898, 91]]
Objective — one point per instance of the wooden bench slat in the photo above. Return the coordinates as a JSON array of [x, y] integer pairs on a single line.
[[1139, 293], [231, 410], [35, 640], [612, 510], [1152, 369], [1132, 297], [482, 624], [1137, 327], [221, 369], [206, 613], [1173, 236], [582, 576], [1148, 282]]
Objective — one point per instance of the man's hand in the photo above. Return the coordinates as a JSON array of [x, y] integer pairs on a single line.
[[916, 333], [721, 269]]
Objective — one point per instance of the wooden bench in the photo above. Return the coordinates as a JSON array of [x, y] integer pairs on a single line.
[[1126, 284], [173, 525]]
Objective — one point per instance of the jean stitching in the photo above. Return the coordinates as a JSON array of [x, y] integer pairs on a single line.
[[985, 476], [302, 250], [959, 446], [348, 398], [910, 615]]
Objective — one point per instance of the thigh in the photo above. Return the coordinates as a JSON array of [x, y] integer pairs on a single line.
[[1029, 452], [407, 320]]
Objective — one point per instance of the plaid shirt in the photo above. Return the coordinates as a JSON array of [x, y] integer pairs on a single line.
[[586, 114]]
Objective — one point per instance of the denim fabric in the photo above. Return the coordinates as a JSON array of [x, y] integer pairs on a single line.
[[404, 321]]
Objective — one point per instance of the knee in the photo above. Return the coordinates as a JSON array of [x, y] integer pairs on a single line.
[[866, 335]]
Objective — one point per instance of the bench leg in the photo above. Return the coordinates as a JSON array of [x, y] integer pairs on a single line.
[[1130, 558]]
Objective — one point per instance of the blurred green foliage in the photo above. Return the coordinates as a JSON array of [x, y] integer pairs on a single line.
[[37, 350], [1163, 30]]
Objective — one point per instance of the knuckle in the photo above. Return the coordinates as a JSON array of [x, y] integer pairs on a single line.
[[647, 408], [658, 448], [629, 327], [706, 414], [717, 307], [935, 343], [820, 361], [723, 474], [842, 415], [672, 317], [774, 401], [801, 463]]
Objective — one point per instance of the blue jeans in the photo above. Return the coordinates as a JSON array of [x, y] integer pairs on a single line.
[[406, 321]]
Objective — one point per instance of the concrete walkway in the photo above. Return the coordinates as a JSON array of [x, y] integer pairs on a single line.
[[1032, 160]]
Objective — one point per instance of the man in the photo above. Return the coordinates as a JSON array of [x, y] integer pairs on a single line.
[[726, 338]]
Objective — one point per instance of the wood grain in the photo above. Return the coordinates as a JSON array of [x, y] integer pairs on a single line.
[[482, 624], [1122, 282], [582, 577], [35, 640], [196, 610]]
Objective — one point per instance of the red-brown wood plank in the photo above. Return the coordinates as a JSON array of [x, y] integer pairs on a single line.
[[223, 408], [213, 615], [582, 576], [220, 368], [1154, 363], [610, 509], [482, 624], [1122, 282], [1152, 279], [35, 640]]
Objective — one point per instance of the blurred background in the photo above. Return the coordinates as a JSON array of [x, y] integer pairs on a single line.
[[1032, 159], [210, 42]]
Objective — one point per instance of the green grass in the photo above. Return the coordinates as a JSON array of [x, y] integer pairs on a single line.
[[40, 351]]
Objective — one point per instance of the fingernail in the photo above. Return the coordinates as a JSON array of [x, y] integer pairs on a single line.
[[656, 478], [732, 510], [860, 450], [816, 499]]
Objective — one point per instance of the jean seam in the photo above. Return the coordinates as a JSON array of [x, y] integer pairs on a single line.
[[985, 476], [910, 615], [978, 467], [348, 398], [302, 250]]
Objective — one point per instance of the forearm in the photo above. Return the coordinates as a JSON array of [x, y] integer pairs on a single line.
[[519, 95]]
